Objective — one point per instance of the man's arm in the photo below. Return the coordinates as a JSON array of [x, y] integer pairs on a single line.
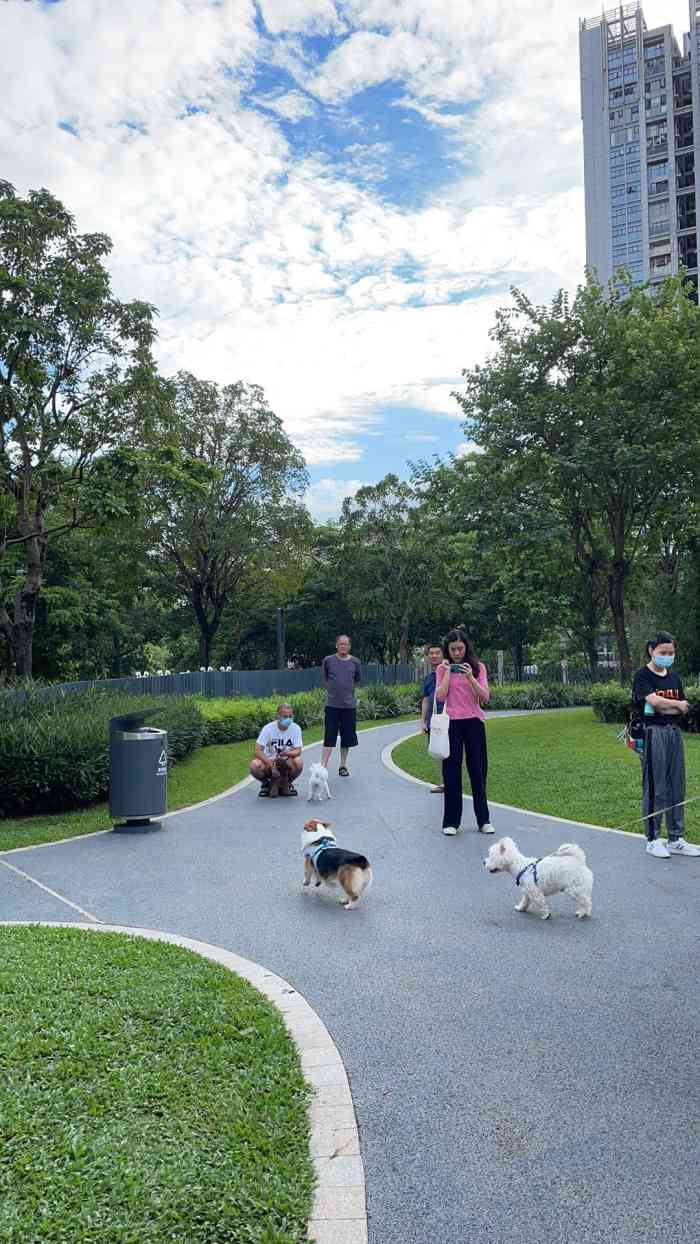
[[424, 706], [260, 755]]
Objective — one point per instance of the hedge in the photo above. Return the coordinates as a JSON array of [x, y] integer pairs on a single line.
[[54, 754], [611, 702], [232, 720]]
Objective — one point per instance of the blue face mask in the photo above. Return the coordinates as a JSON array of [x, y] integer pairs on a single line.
[[664, 662], [285, 721]]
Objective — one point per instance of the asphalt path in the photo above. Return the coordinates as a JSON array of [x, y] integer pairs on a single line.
[[513, 1078]]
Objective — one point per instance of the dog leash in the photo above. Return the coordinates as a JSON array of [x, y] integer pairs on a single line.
[[659, 812]]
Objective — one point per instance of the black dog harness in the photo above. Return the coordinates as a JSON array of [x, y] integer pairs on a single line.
[[533, 865], [315, 849]]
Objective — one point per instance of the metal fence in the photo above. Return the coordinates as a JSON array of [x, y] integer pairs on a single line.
[[225, 683]]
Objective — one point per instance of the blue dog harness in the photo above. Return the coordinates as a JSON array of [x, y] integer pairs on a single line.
[[314, 849], [533, 865]]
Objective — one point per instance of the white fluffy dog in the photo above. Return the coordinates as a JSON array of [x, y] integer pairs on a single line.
[[318, 783], [563, 872]]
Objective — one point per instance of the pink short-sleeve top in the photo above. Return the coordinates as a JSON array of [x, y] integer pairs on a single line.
[[461, 702]]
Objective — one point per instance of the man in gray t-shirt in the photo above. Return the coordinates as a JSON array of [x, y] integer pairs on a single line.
[[341, 675]]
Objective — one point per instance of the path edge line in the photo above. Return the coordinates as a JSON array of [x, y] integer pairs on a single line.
[[190, 807], [335, 1140], [389, 762]]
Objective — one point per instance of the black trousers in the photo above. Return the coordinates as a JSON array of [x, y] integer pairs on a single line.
[[469, 737]]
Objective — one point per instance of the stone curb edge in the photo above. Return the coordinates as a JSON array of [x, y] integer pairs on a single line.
[[339, 1214], [389, 762]]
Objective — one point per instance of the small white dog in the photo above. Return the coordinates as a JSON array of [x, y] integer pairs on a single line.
[[563, 872], [318, 783]]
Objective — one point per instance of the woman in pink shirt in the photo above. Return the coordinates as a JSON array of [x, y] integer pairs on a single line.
[[462, 686]]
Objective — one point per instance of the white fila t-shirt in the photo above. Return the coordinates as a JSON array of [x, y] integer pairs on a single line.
[[276, 741]]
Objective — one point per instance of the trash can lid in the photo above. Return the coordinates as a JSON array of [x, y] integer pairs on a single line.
[[131, 721]]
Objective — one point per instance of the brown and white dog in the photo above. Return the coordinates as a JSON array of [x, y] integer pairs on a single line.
[[325, 861]]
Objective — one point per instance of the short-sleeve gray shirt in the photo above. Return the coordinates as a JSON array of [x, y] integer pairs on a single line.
[[341, 678]]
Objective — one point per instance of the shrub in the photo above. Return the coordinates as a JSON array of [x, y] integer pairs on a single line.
[[54, 753], [533, 695], [611, 702], [238, 718]]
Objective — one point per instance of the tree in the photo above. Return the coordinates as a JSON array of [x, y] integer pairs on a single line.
[[600, 401], [499, 541], [77, 382], [387, 562], [245, 519]]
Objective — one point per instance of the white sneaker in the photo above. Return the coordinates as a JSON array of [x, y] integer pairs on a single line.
[[681, 847], [486, 829], [658, 848], [450, 831]]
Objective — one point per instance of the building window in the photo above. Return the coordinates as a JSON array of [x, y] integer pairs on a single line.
[[688, 250], [659, 218], [658, 177], [657, 137], [684, 130], [682, 91], [686, 211], [685, 170]]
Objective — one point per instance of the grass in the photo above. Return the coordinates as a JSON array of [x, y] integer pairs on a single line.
[[145, 1095], [207, 772], [565, 764]]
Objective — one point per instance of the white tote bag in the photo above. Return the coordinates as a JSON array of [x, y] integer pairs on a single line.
[[439, 741]]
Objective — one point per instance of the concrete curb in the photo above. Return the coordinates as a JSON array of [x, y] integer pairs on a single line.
[[339, 1214], [390, 763]]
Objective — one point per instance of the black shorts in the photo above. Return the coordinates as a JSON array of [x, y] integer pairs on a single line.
[[343, 722]]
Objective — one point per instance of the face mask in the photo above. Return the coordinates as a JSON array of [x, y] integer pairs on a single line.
[[663, 662], [285, 721]]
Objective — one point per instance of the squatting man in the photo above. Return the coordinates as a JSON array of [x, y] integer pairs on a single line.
[[280, 739]]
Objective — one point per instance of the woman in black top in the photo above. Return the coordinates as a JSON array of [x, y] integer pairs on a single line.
[[659, 696]]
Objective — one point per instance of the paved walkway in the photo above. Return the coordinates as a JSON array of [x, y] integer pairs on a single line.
[[513, 1078]]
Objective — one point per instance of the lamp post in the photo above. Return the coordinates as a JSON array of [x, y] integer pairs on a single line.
[[281, 662]]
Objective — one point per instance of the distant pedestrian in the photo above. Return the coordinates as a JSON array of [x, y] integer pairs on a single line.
[[660, 700], [341, 676], [463, 688], [434, 654]]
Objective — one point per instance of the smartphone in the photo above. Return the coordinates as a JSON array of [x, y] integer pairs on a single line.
[[456, 669]]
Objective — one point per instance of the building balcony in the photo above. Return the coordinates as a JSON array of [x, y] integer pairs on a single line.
[[660, 229]]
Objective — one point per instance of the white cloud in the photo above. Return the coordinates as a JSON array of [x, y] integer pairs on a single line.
[[279, 268], [292, 106], [309, 16], [325, 497]]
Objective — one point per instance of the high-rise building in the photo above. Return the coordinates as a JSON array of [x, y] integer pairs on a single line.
[[639, 95]]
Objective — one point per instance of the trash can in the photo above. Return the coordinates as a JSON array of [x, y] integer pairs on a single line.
[[138, 771]]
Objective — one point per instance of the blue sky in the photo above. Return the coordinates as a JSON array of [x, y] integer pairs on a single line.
[[330, 198]]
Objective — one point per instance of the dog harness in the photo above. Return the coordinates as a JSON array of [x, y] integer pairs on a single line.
[[313, 851], [533, 865]]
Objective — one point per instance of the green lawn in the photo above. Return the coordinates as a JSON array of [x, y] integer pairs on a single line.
[[565, 764], [145, 1095], [209, 771]]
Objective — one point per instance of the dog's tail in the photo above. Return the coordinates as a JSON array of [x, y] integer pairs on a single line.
[[570, 848]]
